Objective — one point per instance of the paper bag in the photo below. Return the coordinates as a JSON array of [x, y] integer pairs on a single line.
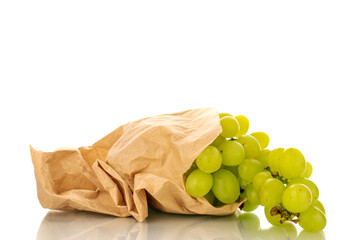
[[139, 163]]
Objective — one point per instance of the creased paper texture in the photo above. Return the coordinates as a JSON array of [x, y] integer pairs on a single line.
[[139, 163]]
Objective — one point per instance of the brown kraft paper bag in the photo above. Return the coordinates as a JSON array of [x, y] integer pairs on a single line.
[[139, 163]]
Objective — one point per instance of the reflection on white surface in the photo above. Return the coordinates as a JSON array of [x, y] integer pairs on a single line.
[[85, 225]]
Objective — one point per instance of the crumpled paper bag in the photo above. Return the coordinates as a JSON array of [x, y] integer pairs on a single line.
[[139, 163]]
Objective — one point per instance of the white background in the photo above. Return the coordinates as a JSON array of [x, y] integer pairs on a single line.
[[72, 71]]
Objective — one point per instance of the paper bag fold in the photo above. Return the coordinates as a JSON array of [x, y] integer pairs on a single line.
[[139, 163]]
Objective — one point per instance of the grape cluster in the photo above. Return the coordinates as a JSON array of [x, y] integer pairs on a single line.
[[237, 164]]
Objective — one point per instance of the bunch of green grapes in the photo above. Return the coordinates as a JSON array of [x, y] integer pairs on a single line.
[[237, 164]]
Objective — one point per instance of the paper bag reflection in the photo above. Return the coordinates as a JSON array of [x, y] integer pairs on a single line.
[[85, 225]]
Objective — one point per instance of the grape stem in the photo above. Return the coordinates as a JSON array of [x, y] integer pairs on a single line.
[[285, 215], [276, 174]]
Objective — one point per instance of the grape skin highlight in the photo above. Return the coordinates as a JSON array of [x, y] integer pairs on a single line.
[[308, 170], [310, 184], [320, 206]]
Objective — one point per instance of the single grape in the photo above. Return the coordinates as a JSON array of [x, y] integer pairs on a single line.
[[232, 153], [252, 194], [243, 123], [249, 168], [310, 184], [297, 198], [308, 170], [274, 220], [274, 159], [270, 192], [320, 206], [210, 197], [198, 183], [221, 115], [312, 220], [209, 160], [250, 144], [249, 207], [260, 178], [262, 138], [220, 139], [225, 186], [292, 163], [263, 157], [230, 127]]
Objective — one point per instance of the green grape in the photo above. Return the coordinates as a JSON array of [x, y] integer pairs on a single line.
[[230, 127], [221, 115], [297, 198], [220, 139], [274, 159], [249, 207], [312, 220], [274, 220], [210, 197], [292, 163], [310, 184], [308, 170], [209, 160], [319, 205], [249, 168], [252, 194], [270, 192], [250, 144], [262, 138], [232, 153], [199, 183], [225, 186], [264, 157], [244, 124], [306, 235], [259, 178], [232, 169]]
